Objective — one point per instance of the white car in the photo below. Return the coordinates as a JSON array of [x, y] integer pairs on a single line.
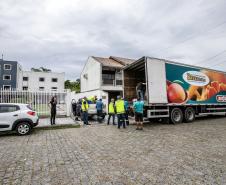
[[17, 117]]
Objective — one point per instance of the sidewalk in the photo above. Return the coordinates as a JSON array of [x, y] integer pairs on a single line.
[[45, 122]]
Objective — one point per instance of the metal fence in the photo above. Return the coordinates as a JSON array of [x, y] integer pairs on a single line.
[[38, 100]]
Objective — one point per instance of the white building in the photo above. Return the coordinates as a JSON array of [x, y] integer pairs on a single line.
[[102, 77], [43, 81]]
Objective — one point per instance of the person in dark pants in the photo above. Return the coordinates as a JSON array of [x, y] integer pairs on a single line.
[[120, 110], [99, 107], [85, 107], [126, 112], [53, 103], [111, 111]]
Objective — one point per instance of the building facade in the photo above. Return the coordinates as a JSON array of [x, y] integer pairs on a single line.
[[43, 81], [10, 75], [103, 76]]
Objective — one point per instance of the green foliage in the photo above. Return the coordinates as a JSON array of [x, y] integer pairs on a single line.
[[72, 85], [41, 69]]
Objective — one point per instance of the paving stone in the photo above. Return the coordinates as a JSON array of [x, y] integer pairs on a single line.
[[101, 154]]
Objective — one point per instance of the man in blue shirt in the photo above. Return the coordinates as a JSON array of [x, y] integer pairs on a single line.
[[139, 111], [99, 107]]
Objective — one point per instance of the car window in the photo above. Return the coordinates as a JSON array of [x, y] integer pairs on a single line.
[[29, 107], [8, 108]]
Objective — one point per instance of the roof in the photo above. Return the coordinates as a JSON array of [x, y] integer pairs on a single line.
[[109, 62], [117, 62], [123, 61]]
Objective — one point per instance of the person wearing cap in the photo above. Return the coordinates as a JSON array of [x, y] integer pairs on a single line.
[[99, 107], [111, 111], [139, 110], [120, 111], [126, 111], [85, 107]]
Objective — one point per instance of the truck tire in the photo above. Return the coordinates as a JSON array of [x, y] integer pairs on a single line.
[[23, 128], [176, 116], [189, 115]]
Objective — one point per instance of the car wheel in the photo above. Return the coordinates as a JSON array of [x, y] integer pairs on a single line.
[[23, 128], [176, 116], [189, 115]]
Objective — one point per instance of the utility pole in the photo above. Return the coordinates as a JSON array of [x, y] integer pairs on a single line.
[[2, 56]]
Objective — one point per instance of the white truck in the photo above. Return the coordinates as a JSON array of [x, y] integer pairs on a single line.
[[175, 91]]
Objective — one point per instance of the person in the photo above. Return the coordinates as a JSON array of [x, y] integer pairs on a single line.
[[140, 89], [99, 107], [139, 110], [126, 111], [74, 109], [111, 111], [78, 109], [85, 107], [120, 111], [92, 99], [53, 103]]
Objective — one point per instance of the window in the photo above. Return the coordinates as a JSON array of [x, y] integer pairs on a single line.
[[6, 77], [54, 79], [6, 87], [54, 88], [41, 88], [25, 78], [8, 108], [25, 88], [41, 79], [7, 67]]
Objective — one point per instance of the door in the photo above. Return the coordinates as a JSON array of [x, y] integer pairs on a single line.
[[8, 115]]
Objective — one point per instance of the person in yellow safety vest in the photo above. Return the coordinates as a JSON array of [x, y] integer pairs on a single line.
[[85, 107], [92, 99], [111, 111], [120, 111]]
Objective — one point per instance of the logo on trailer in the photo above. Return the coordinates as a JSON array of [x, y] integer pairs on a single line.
[[221, 98], [196, 78]]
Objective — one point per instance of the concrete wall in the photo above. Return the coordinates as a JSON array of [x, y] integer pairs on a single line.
[[34, 84], [91, 75], [98, 93]]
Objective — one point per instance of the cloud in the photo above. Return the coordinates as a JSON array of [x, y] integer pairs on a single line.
[[62, 34]]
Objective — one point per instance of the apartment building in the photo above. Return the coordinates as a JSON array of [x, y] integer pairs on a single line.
[[10, 75], [43, 81]]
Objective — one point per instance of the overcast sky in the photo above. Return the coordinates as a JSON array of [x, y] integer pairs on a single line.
[[61, 34]]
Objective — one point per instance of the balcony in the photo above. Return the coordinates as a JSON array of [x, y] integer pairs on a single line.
[[109, 84]]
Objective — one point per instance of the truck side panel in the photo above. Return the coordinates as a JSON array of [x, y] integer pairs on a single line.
[[191, 85], [156, 81]]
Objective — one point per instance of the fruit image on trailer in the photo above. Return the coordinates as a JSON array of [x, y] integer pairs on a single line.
[[176, 91]]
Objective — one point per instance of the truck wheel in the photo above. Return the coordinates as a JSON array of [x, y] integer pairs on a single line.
[[176, 116], [23, 128], [189, 115]]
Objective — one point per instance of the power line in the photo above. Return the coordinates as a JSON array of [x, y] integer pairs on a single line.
[[192, 37], [210, 58], [218, 63]]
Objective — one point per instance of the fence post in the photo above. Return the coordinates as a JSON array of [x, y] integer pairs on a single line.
[[68, 102]]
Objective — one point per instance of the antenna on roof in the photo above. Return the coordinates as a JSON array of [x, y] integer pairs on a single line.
[[2, 56]]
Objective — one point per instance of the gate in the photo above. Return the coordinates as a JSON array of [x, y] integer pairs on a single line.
[[39, 100]]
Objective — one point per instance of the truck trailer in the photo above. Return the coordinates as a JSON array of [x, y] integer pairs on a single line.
[[174, 91]]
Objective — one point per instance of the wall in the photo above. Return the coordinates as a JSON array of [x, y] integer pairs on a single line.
[[33, 82], [98, 93], [93, 71]]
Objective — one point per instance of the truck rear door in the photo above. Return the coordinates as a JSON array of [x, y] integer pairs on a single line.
[[156, 81]]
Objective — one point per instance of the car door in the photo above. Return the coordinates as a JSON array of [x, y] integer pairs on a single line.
[[8, 115]]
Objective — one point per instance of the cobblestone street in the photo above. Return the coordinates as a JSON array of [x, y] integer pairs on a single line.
[[192, 153]]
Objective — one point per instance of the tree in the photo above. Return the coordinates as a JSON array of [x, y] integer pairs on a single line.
[[72, 85]]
